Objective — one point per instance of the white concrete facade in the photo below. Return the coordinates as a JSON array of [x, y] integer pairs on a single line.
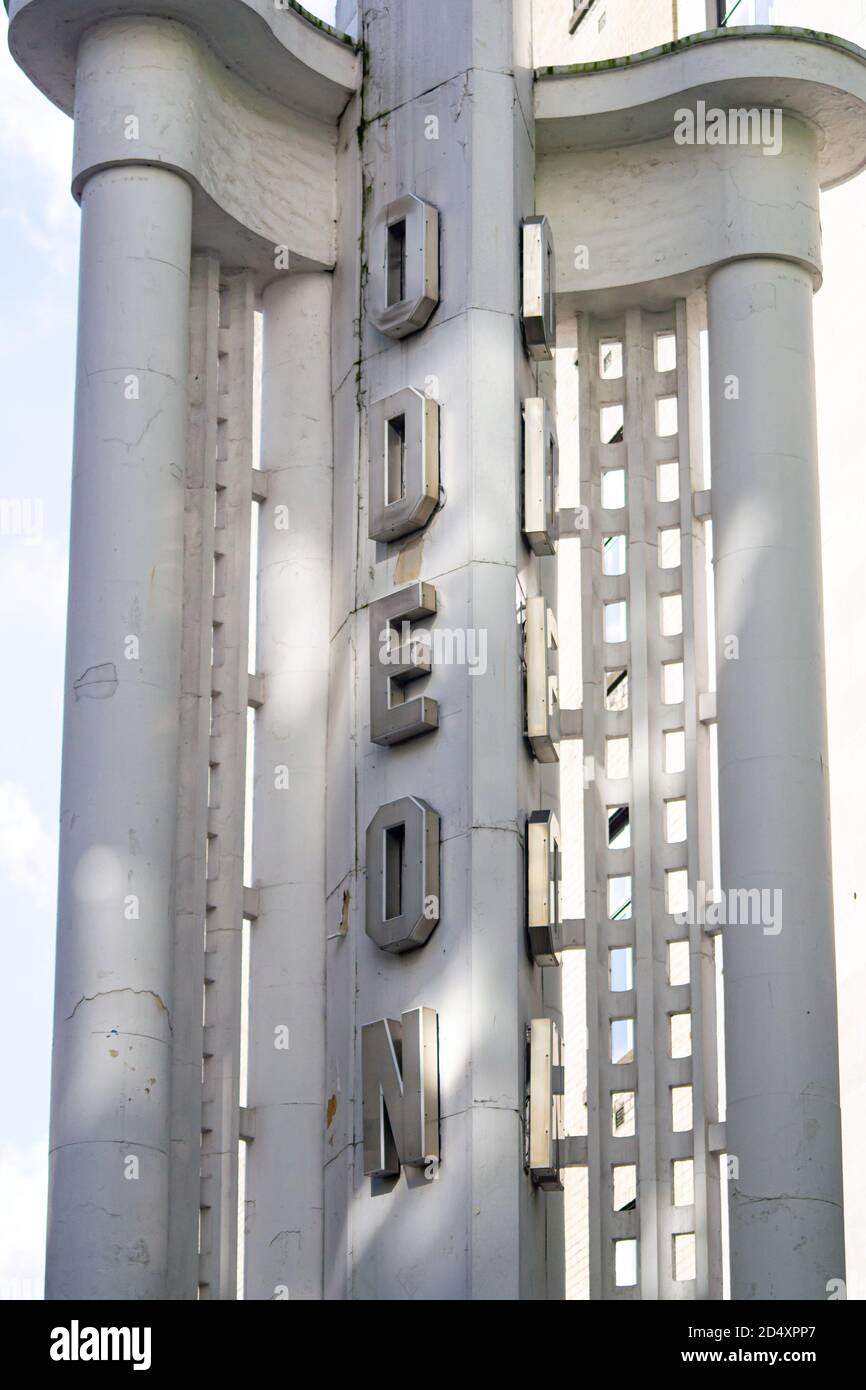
[[216, 967], [482, 1227]]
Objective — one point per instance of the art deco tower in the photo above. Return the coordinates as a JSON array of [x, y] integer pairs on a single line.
[[357, 312]]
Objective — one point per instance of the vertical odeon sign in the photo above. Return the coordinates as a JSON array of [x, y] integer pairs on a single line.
[[400, 1058]]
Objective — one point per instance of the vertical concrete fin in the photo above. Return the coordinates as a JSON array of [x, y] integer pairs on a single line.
[[224, 1006], [193, 779]]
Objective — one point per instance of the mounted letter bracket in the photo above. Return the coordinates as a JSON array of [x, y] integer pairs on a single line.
[[544, 1104], [543, 877], [400, 1079], [540, 477], [404, 270], [396, 661], [538, 303], [402, 875], [542, 680], [403, 477]]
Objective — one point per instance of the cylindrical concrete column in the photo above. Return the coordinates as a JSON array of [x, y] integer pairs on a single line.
[[783, 1127], [112, 1046], [286, 1086]]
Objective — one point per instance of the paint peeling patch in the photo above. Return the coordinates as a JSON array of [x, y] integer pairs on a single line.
[[331, 1111], [408, 565], [97, 683], [344, 919]]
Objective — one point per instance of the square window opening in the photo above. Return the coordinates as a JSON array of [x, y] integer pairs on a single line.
[[616, 621], [616, 690], [622, 1114], [676, 891], [684, 1257], [618, 828], [613, 489], [621, 969], [681, 1035], [621, 1041], [667, 416], [675, 821], [625, 1263], [614, 554], [681, 1109], [671, 615], [668, 481], [673, 682], [625, 1186], [679, 962], [684, 1182], [610, 359], [666, 352], [670, 548], [619, 897], [612, 423], [675, 750]]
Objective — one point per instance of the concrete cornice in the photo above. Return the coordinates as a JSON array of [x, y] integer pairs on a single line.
[[625, 101], [286, 53]]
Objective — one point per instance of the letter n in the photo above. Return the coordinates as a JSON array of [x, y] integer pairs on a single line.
[[400, 1067]]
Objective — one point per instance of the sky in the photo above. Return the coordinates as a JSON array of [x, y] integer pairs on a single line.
[[39, 224], [38, 272]]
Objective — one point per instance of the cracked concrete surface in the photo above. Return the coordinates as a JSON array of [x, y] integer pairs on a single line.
[[105, 994], [97, 682]]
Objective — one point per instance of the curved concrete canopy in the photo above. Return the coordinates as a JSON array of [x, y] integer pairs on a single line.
[[263, 174], [286, 53], [626, 101]]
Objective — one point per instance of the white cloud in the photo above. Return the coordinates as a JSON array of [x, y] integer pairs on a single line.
[[28, 856], [33, 127], [36, 142], [23, 1197], [33, 576]]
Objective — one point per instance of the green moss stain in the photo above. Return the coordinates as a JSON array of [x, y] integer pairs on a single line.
[[743, 33], [364, 124]]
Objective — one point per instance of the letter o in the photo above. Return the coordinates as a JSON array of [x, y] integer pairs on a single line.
[[402, 875]]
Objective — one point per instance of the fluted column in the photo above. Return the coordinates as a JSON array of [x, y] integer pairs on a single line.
[[112, 1049], [783, 1127]]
